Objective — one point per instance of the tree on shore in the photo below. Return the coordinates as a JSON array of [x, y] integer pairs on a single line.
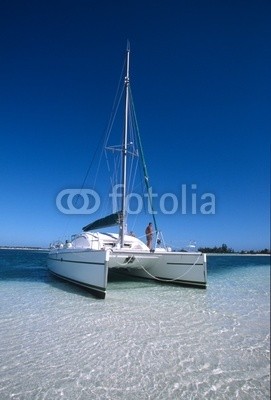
[[224, 249]]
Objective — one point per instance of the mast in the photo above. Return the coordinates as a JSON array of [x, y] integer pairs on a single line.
[[124, 148]]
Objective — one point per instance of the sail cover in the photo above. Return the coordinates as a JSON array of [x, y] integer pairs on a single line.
[[109, 220]]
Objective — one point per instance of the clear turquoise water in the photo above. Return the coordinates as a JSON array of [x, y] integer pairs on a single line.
[[144, 341]]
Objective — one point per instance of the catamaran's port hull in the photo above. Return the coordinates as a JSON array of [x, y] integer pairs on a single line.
[[170, 267]]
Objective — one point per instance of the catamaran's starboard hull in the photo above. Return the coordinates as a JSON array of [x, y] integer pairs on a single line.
[[82, 267], [171, 267]]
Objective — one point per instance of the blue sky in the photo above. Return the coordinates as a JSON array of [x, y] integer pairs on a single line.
[[200, 72]]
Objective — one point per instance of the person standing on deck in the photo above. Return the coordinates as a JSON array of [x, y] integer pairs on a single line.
[[149, 235]]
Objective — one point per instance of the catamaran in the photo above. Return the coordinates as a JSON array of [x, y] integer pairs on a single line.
[[88, 257]]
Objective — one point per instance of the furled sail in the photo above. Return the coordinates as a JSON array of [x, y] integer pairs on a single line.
[[109, 220]]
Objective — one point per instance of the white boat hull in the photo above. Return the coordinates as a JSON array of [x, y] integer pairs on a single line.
[[171, 267], [87, 259], [88, 268]]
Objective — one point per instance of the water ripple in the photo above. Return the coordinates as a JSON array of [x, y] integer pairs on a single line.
[[145, 341]]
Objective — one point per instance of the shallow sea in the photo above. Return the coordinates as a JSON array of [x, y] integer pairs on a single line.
[[146, 340]]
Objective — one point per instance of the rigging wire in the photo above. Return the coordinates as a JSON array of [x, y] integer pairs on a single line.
[[134, 144], [146, 176]]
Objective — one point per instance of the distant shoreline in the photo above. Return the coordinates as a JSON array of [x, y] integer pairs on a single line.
[[238, 254], [24, 248]]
